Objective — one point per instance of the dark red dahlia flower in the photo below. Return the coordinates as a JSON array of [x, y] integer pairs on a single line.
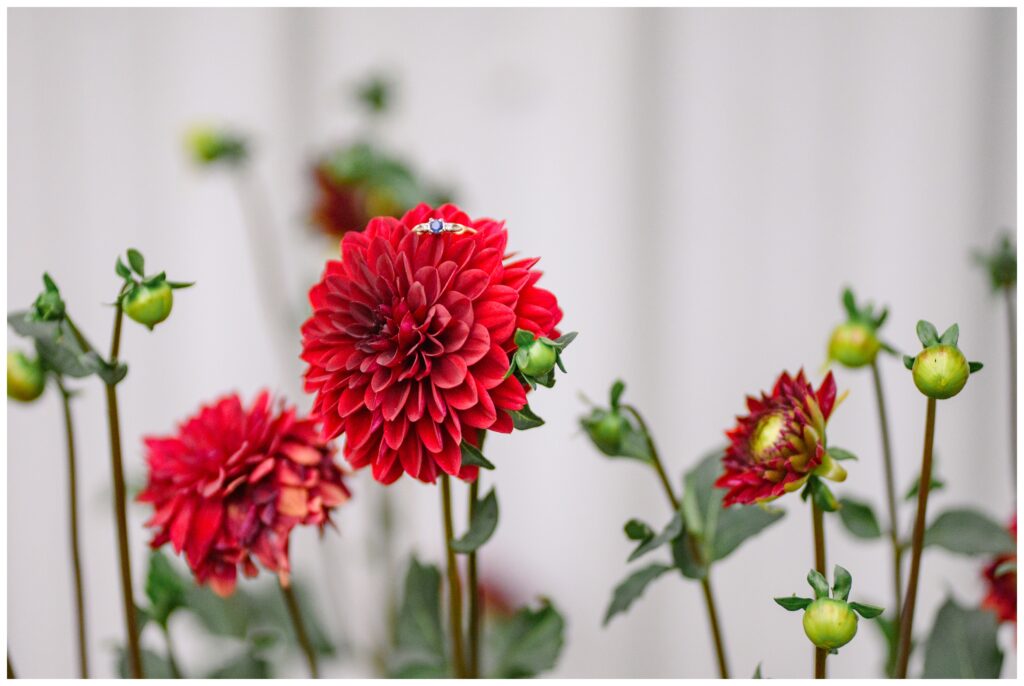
[[1001, 575], [773, 449], [342, 206], [232, 484], [410, 337]]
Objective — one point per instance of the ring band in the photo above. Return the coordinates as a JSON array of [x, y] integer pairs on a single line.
[[439, 226]]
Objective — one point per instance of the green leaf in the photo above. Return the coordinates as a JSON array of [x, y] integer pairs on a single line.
[[563, 341], [525, 419], [818, 582], [482, 526], [757, 672], [165, 588], [841, 454], [616, 393], [702, 502], [122, 270], [419, 636], [637, 530], [822, 494], [154, 665], [936, 484], [962, 645], [244, 666], [950, 336], [529, 643], [471, 455], [794, 603], [176, 285], [684, 560], [889, 628], [738, 523], [859, 518], [975, 366], [137, 262], [908, 361], [842, 582], [670, 532], [849, 304], [632, 588], [927, 334], [867, 611], [968, 532]]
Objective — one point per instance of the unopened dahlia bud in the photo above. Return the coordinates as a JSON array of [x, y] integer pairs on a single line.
[[606, 430], [49, 306], [149, 305], [25, 377], [853, 345], [536, 357], [208, 145], [830, 622], [540, 358], [940, 371]]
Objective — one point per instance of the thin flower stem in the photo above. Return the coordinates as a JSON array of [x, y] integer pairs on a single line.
[[454, 584], [10, 667], [819, 564], [705, 582], [120, 508], [76, 560], [1011, 320], [475, 619], [917, 543], [295, 614], [890, 493], [172, 661]]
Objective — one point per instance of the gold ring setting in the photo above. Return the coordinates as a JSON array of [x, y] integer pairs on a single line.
[[438, 226]]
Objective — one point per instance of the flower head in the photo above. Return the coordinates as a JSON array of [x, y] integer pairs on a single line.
[[940, 371], [781, 441], [1001, 575], [230, 486], [409, 342]]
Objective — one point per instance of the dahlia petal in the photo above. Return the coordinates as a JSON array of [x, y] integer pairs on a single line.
[[181, 523], [450, 458], [430, 435], [205, 523], [394, 398], [499, 319], [223, 584], [394, 432], [411, 456], [292, 501], [472, 283], [463, 396], [449, 371]]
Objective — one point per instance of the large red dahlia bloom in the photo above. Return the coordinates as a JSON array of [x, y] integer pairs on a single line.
[[1001, 597], [232, 484], [410, 337], [773, 449]]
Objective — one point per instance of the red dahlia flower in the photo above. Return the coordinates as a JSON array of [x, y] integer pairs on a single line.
[[410, 337], [781, 442], [233, 482], [341, 206], [1002, 584]]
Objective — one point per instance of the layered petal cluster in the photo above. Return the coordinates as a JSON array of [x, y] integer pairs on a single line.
[[780, 442], [231, 484], [1001, 596], [409, 341]]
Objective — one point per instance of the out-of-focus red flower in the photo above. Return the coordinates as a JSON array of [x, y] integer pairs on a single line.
[[342, 206], [1002, 585], [232, 484], [410, 337], [773, 449]]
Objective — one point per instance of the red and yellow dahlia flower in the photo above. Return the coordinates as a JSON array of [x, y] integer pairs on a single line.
[[780, 443], [1001, 597], [232, 484], [409, 342]]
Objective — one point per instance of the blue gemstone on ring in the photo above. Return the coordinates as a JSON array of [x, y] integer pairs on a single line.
[[435, 226]]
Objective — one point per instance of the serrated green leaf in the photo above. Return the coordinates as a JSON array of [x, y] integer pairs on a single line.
[[481, 527], [525, 419], [968, 532], [529, 643], [962, 645], [632, 587], [137, 262], [471, 455], [684, 560], [154, 665], [670, 532], [793, 603], [867, 611], [859, 518], [738, 523], [842, 582], [927, 334]]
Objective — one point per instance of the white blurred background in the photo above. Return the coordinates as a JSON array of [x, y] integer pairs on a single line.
[[700, 185]]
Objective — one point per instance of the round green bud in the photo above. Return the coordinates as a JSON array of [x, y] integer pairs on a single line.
[[940, 371], [149, 305], [540, 359], [607, 432], [853, 344], [830, 623], [25, 377]]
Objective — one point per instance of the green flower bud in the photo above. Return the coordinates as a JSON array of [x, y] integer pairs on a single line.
[[940, 371], [25, 377], [606, 431], [207, 145], [149, 305], [830, 623], [854, 344], [540, 359]]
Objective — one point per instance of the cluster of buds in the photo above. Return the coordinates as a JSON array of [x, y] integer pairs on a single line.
[[145, 299], [940, 370], [855, 342], [830, 619]]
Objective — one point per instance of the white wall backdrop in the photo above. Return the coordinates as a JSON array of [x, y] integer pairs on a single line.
[[700, 184]]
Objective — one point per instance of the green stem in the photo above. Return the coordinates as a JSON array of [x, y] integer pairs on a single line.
[[475, 618], [917, 544], [705, 582], [454, 583], [890, 493], [819, 564], [1011, 320], [121, 508], [76, 559], [172, 661], [295, 614]]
